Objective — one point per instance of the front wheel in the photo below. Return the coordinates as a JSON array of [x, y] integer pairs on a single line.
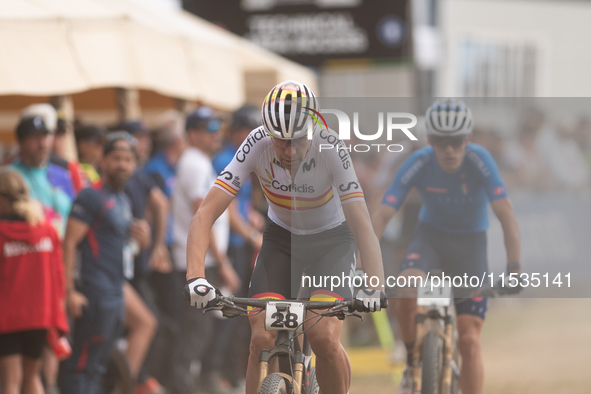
[[432, 362], [274, 384]]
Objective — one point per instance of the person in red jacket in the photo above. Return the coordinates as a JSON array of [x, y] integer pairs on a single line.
[[31, 285]]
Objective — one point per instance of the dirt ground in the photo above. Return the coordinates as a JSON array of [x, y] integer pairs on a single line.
[[540, 346]]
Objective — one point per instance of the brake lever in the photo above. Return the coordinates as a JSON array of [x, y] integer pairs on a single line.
[[212, 308], [228, 310], [341, 314]]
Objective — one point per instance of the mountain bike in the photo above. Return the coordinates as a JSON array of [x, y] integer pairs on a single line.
[[295, 373], [436, 360]]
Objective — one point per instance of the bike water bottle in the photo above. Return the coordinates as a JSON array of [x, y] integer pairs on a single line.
[[60, 345]]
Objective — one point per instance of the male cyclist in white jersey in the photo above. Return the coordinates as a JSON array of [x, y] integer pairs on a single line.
[[317, 217]]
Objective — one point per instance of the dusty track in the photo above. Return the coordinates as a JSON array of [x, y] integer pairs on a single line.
[[540, 346]]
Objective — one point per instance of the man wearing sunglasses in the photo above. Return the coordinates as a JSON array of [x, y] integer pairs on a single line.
[[456, 180], [316, 220]]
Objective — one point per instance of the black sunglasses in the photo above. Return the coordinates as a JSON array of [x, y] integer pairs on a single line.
[[443, 142]]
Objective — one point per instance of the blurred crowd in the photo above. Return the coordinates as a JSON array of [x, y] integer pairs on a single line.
[[541, 155], [117, 220]]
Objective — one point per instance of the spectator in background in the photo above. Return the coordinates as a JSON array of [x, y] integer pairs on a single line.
[[56, 124], [230, 348], [59, 176], [195, 176], [48, 183], [31, 285], [147, 202], [529, 169], [170, 143], [568, 160], [89, 143], [162, 166], [59, 154], [102, 226]]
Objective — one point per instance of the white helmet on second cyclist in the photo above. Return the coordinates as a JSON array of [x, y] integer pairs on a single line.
[[449, 117], [286, 110]]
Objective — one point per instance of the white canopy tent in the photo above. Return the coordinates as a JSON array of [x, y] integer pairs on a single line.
[[57, 47]]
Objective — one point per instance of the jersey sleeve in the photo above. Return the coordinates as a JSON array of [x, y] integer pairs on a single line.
[[406, 177], [87, 206], [487, 168], [343, 174], [235, 174]]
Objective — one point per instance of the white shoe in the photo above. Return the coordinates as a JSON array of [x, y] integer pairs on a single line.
[[398, 353], [406, 383]]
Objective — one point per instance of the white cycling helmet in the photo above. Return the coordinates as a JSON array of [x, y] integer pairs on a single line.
[[449, 117], [286, 110]]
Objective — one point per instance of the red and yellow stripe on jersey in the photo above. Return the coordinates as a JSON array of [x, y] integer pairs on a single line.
[[223, 185], [325, 295], [349, 196], [301, 203], [264, 296]]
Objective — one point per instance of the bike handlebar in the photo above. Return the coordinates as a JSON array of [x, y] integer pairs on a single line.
[[353, 305]]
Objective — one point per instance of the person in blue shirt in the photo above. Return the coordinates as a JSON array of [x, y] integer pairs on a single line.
[[169, 141], [102, 228], [456, 180], [48, 183]]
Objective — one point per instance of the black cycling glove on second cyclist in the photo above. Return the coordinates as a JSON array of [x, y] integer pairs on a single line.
[[373, 300], [199, 292]]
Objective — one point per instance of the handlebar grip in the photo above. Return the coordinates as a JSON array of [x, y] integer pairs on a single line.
[[358, 306]]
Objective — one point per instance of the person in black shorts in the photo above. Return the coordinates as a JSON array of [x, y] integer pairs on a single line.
[[102, 227]]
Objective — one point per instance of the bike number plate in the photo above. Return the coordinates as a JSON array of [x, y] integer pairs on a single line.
[[284, 316], [434, 295]]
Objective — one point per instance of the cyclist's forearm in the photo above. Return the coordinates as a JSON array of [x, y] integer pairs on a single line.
[[511, 238], [504, 211], [197, 244], [371, 256], [380, 219]]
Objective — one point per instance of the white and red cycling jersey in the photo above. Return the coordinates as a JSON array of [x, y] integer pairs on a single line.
[[310, 202]]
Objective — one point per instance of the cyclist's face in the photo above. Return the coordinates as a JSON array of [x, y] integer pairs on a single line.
[[450, 151], [291, 153]]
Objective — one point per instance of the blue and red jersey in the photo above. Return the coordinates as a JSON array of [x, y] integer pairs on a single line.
[[454, 203]]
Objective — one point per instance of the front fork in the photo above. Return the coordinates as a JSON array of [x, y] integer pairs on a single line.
[[448, 363], [289, 360]]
